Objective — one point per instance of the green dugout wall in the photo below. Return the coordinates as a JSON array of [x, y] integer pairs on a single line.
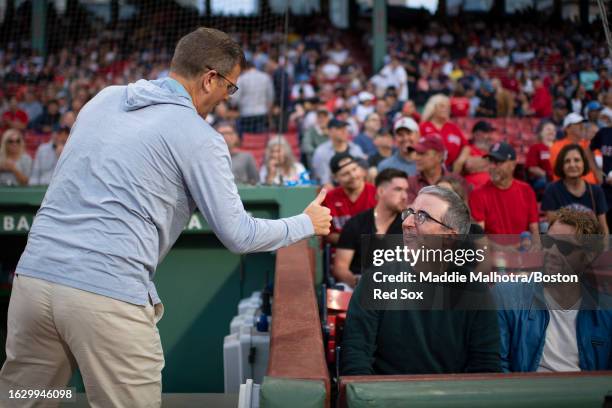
[[200, 282]]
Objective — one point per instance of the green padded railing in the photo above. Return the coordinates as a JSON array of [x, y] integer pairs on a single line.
[[580, 390]]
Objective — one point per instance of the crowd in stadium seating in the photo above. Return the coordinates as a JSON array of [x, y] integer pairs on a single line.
[[318, 96]]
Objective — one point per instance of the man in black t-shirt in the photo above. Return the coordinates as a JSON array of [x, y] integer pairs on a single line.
[[385, 218], [602, 141]]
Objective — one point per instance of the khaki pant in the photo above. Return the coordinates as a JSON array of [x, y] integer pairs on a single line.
[[52, 329]]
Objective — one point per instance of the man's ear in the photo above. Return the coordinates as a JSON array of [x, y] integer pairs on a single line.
[[206, 81], [379, 190]]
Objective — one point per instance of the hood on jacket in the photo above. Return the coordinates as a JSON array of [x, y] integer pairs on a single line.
[[143, 93]]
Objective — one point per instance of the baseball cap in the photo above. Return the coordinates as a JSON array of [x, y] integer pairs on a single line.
[[572, 119], [340, 111], [606, 112], [365, 96], [502, 151], [594, 106], [406, 123], [336, 123], [482, 126], [345, 158], [431, 142]]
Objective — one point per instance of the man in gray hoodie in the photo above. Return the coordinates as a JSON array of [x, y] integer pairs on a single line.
[[139, 160]]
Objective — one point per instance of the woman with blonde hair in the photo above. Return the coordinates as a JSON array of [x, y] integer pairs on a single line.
[[280, 166], [15, 163], [436, 121]]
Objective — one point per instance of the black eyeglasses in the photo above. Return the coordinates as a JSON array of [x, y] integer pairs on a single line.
[[13, 141], [231, 87], [565, 247], [421, 216]]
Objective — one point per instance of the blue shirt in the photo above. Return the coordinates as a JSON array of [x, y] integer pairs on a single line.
[[523, 322], [398, 162], [138, 162], [366, 143]]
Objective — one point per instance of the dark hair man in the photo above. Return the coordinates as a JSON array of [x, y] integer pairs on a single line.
[[140, 159], [352, 196], [385, 218]]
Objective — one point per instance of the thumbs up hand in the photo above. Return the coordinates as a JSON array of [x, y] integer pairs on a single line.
[[319, 215]]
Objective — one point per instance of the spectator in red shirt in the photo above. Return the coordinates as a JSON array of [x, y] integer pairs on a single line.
[[541, 104], [603, 83], [460, 104], [505, 205], [472, 163], [14, 118], [537, 162], [436, 120], [510, 82], [352, 196]]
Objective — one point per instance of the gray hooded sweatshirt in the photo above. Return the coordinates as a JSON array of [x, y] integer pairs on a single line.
[[138, 162]]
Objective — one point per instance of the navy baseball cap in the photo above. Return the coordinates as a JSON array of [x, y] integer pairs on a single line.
[[502, 152], [337, 123], [483, 126]]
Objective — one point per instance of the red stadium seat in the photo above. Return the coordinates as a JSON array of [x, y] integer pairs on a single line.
[[254, 140]]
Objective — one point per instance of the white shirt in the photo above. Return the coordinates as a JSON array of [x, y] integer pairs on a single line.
[[338, 56], [330, 70], [362, 112], [560, 345], [398, 78], [305, 91], [255, 93]]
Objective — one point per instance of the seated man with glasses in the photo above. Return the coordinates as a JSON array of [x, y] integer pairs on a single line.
[[388, 342], [555, 327]]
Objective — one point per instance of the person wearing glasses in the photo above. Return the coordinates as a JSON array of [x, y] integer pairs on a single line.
[[558, 326], [141, 158], [15, 163], [254, 99], [504, 205], [389, 342]]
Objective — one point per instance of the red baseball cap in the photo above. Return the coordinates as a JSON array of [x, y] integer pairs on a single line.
[[431, 142]]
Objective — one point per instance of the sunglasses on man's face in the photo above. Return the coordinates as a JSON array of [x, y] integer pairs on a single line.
[[13, 141], [565, 247]]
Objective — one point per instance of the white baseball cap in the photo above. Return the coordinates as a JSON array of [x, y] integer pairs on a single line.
[[365, 96], [406, 123], [606, 112], [572, 119]]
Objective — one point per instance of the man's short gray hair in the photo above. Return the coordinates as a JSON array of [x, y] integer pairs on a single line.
[[458, 214]]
